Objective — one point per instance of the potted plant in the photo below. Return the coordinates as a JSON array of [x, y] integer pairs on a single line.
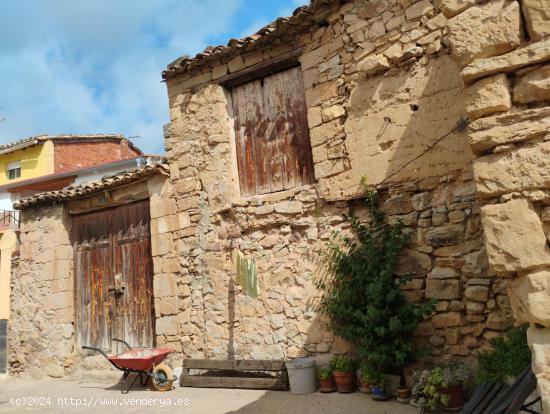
[[378, 385], [426, 389], [403, 394], [326, 380], [365, 379], [456, 375], [441, 386], [343, 370]]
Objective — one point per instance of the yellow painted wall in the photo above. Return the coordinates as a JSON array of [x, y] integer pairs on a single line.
[[36, 161]]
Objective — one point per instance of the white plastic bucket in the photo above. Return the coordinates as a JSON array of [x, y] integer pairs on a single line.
[[301, 375]]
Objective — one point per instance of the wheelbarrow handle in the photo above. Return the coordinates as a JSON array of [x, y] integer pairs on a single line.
[[123, 342], [93, 348]]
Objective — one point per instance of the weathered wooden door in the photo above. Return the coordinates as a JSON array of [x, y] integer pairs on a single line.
[[114, 276], [271, 133]]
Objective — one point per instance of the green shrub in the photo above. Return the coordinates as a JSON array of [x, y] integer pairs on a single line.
[[342, 364], [362, 297], [508, 358], [325, 373]]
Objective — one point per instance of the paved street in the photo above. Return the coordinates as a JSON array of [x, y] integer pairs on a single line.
[[59, 396]]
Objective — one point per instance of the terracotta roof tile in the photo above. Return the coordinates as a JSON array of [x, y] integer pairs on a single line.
[[87, 189], [302, 17]]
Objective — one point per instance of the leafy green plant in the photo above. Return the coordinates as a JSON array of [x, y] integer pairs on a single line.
[[342, 364], [426, 388], [508, 358], [325, 373], [361, 295], [377, 379], [456, 373]]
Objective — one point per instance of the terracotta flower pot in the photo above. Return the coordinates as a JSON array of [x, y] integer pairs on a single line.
[[403, 393], [455, 395], [364, 386], [327, 385], [345, 381]]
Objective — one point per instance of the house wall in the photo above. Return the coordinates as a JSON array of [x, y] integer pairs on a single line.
[[74, 155], [381, 88], [41, 339], [505, 65], [35, 162]]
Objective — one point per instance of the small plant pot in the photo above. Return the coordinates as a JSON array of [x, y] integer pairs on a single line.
[[378, 391], [327, 385], [345, 381], [455, 394], [364, 386], [404, 393]]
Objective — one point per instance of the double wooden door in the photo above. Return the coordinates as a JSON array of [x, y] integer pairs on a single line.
[[114, 276]]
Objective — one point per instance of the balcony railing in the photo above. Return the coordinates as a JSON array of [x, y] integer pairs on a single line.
[[9, 219]]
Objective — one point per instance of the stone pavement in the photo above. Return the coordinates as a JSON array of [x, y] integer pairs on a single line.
[[64, 396]]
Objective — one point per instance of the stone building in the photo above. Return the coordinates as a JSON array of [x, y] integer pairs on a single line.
[[443, 105]]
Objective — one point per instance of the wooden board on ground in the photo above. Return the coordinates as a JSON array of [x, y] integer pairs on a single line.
[[261, 374]]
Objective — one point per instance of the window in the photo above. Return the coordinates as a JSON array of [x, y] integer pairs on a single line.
[[13, 170], [271, 132]]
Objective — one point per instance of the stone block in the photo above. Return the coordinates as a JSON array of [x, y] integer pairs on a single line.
[[537, 18], [539, 342], [314, 117], [288, 207], [499, 321], [514, 238], [534, 86], [443, 289], [521, 169], [413, 262], [162, 244], [333, 112], [477, 293], [451, 8], [418, 9], [164, 285], [422, 201], [167, 325], [325, 132], [59, 300], [487, 96], [236, 64], [219, 71], [398, 204], [530, 54], [442, 273], [445, 235], [374, 64], [329, 167], [487, 133], [530, 297], [448, 319], [485, 30], [320, 93]]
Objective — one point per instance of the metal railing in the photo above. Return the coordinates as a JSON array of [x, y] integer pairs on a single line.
[[9, 219]]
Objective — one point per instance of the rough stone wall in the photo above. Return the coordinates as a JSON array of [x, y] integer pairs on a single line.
[[506, 69], [41, 329], [380, 88]]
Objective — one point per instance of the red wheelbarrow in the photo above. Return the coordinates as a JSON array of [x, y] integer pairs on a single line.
[[147, 362]]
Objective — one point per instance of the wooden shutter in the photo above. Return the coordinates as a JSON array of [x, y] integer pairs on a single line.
[[271, 132]]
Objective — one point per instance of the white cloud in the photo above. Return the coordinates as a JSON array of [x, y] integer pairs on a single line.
[[94, 66]]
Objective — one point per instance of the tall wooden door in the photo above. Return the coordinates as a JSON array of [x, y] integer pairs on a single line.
[[114, 276]]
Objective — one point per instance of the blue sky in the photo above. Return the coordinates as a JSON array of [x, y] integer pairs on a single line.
[[71, 66]]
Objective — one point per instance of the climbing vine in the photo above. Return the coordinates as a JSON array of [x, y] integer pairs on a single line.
[[361, 295]]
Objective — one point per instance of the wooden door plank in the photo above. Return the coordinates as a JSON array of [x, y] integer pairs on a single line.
[[300, 160], [277, 130], [255, 131]]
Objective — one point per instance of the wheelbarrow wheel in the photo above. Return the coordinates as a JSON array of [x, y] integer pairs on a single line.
[[162, 377]]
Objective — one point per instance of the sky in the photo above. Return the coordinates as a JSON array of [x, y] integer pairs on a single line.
[[94, 66]]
